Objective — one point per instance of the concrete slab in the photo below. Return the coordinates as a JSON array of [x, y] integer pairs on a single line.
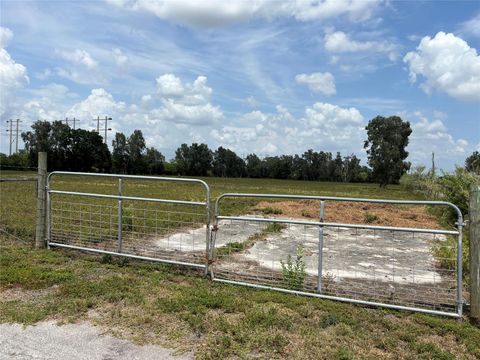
[[194, 239], [48, 341], [398, 257]]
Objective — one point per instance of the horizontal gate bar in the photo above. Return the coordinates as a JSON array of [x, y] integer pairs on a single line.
[[336, 298], [138, 177], [327, 224], [315, 197], [118, 197], [139, 257]]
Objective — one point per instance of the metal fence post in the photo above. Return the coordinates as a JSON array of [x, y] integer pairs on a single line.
[[40, 240], [474, 236], [320, 248], [120, 215]]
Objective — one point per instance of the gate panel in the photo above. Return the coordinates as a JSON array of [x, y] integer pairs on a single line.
[[145, 217], [331, 247]]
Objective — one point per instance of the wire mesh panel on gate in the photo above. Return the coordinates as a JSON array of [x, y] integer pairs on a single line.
[[144, 219], [385, 253]]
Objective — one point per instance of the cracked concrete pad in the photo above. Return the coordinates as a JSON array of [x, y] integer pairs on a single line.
[[398, 257], [194, 239], [48, 341]]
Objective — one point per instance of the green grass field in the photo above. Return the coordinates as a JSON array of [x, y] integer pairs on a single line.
[[18, 204], [179, 308]]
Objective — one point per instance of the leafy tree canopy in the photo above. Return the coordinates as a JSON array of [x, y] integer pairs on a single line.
[[386, 143]]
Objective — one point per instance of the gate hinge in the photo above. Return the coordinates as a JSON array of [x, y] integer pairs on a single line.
[[214, 227]]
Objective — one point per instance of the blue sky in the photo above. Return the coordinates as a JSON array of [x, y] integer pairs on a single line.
[[265, 76]]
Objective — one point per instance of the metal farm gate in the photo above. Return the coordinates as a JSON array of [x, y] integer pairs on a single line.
[[143, 227], [398, 267], [320, 246]]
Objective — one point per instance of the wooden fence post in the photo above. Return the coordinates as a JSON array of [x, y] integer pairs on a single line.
[[40, 240], [474, 237]]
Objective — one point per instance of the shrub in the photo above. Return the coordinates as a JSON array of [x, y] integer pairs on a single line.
[[370, 218], [293, 270]]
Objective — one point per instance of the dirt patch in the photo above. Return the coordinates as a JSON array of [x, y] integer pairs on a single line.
[[355, 213]]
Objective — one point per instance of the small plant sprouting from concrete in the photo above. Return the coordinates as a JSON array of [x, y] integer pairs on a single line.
[[275, 228], [234, 247], [293, 270]]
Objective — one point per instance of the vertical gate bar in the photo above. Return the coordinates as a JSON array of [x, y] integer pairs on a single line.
[[120, 215], [320, 248], [213, 236], [459, 266], [208, 250], [49, 216]]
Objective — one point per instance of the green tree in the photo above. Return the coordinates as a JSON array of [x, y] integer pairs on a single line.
[[227, 164], [88, 152], [120, 157], [194, 160], [154, 161], [337, 168], [386, 143], [472, 163], [136, 151], [254, 166], [351, 168], [53, 138], [68, 149]]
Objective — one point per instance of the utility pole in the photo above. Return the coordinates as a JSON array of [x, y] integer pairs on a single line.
[[106, 119], [10, 131], [106, 128], [16, 141], [72, 120], [433, 164]]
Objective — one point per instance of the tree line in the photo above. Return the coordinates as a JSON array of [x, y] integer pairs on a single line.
[[82, 150]]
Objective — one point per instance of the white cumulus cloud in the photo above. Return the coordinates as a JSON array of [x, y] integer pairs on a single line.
[[99, 103], [323, 83], [340, 42], [13, 76], [187, 103], [120, 58], [210, 13], [79, 57], [447, 63], [432, 135], [5, 36], [471, 27]]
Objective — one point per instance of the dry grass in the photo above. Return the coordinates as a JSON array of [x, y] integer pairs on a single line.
[[356, 213]]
